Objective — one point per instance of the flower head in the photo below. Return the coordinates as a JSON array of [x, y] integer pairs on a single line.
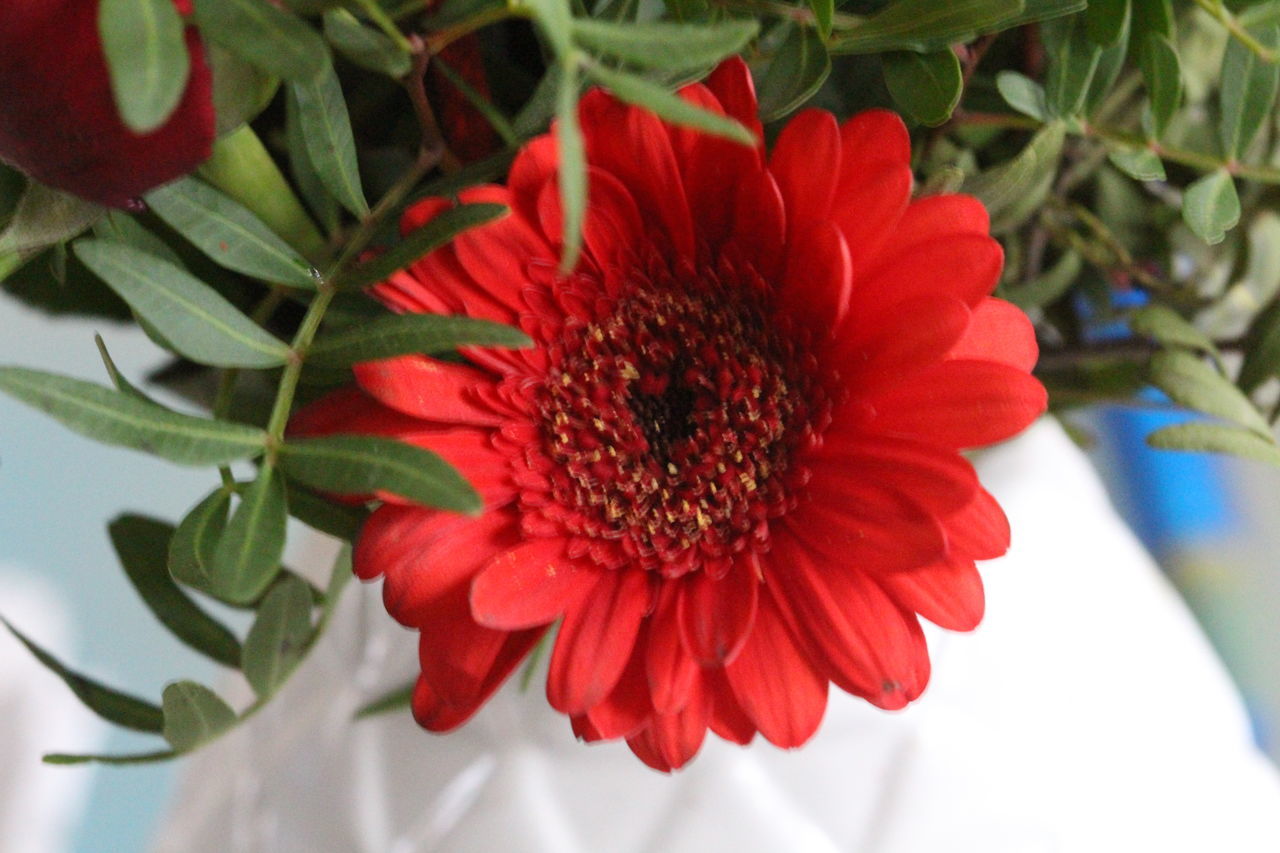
[[730, 467], [58, 117]]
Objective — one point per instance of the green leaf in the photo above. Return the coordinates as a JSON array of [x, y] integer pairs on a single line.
[[325, 126], [1110, 64], [1248, 91], [241, 90], [1014, 190], [392, 700], [1042, 10], [1190, 382], [926, 86], [665, 45], [798, 69], [114, 418], [147, 60], [924, 25], [319, 513], [1049, 286], [365, 47], [405, 334], [113, 373], [1105, 20], [264, 35], [323, 205], [196, 320], [192, 545], [1141, 164], [63, 758], [112, 705], [1163, 74], [1073, 57], [1216, 438], [247, 556], [142, 544], [1262, 354], [44, 217], [572, 161], [420, 242], [673, 108], [1166, 326], [120, 227], [1211, 207], [555, 20], [1022, 93], [193, 715], [824, 12], [362, 465], [278, 639], [229, 233]]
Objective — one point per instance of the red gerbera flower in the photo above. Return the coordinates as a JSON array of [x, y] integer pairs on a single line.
[[730, 468]]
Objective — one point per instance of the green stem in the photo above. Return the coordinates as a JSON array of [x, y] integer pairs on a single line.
[[442, 38], [1222, 15], [482, 104], [375, 12]]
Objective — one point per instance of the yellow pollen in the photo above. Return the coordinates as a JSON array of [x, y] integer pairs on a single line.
[[737, 456], [551, 570], [629, 372], [598, 424], [565, 380], [672, 469], [747, 481]]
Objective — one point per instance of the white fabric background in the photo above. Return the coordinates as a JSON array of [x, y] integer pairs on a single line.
[[1087, 714]]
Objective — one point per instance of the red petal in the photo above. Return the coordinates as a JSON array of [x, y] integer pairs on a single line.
[[948, 594], [533, 167], [716, 615], [921, 332], [760, 223], [775, 685], [980, 530], [595, 641], [818, 281], [960, 404], [456, 655], [805, 160], [671, 740], [964, 266], [733, 87], [711, 168], [938, 216], [627, 708], [870, 646], [727, 717], [428, 388], [867, 526], [530, 585], [350, 410], [497, 255], [940, 480], [612, 229], [1001, 332], [872, 139], [435, 714], [868, 210], [671, 670]]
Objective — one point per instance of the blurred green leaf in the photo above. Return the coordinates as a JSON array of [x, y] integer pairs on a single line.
[[1190, 382], [925, 86], [669, 106], [1163, 74], [1248, 91], [1216, 438], [193, 715], [120, 227], [1165, 326], [1105, 20], [63, 758], [366, 47], [1072, 60], [1262, 353], [1141, 164], [823, 13], [241, 90], [325, 126], [114, 418], [195, 319], [924, 25], [1048, 286], [319, 513], [363, 465], [1022, 93], [147, 61], [264, 35], [572, 162], [142, 544], [1211, 207], [229, 233], [393, 700], [556, 22], [798, 69], [665, 45], [1014, 190], [247, 556], [46, 216], [321, 203], [192, 547], [112, 705], [406, 334], [276, 642], [1110, 65]]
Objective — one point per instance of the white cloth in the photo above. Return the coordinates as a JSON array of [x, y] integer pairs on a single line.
[[1086, 715]]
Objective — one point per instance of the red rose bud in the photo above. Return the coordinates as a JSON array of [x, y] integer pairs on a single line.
[[58, 118]]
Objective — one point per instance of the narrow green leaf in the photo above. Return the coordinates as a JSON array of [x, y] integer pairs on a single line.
[[193, 543], [420, 242], [321, 203], [319, 513], [142, 544], [1014, 190], [138, 758], [363, 465], [798, 69], [247, 556], [114, 418], [276, 642], [193, 714], [147, 60], [665, 45], [555, 20], [926, 86], [1211, 207], [1141, 164], [1163, 75], [1110, 65], [572, 160], [264, 35], [326, 130], [924, 25], [1022, 93], [1047, 287], [1105, 20], [1165, 326], [241, 90], [1216, 438], [405, 334], [117, 379], [112, 705], [229, 233], [392, 700], [196, 320], [44, 217], [824, 12], [1073, 58], [673, 108], [365, 47], [120, 227], [1262, 353], [1034, 11], [1190, 382], [1248, 91]]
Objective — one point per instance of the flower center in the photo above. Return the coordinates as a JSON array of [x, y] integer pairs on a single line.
[[670, 417]]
